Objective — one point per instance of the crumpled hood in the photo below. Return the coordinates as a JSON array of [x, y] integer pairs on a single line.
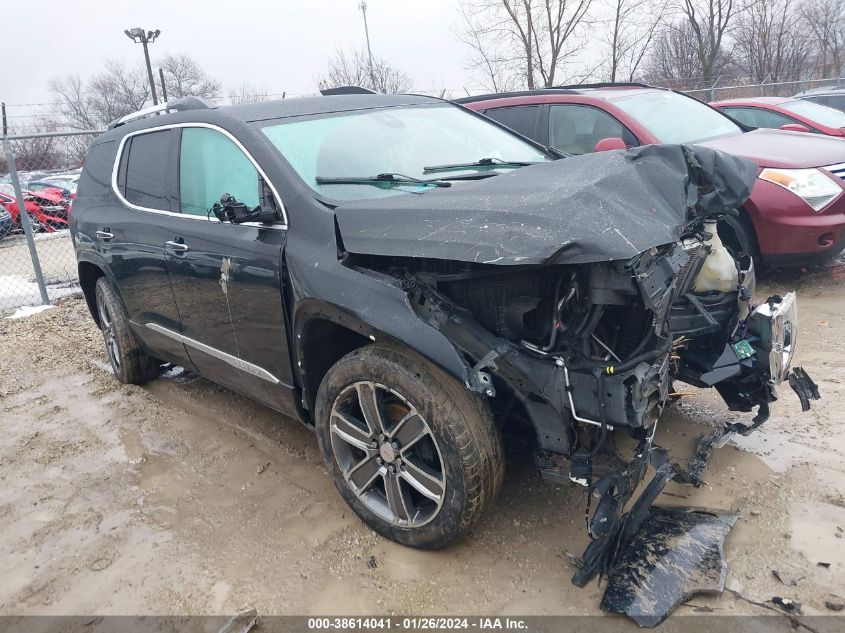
[[597, 207]]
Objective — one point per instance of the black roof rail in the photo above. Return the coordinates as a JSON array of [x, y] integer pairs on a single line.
[[177, 105], [347, 90], [608, 84], [513, 93]]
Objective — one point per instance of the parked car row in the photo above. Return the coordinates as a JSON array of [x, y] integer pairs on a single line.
[[796, 212], [48, 200], [417, 283]]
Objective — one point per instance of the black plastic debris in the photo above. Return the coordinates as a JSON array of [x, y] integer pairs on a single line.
[[676, 553], [787, 604], [804, 387]]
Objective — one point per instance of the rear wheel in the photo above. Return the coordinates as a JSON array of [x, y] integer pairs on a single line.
[[131, 364], [415, 455]]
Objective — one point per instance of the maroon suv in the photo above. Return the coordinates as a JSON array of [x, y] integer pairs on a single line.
[[796, 213]]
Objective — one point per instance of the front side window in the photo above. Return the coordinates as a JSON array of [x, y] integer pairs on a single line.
[[210, 165], [758, 117], [674, 118], [575, 129], [145, 178], [395, 140]]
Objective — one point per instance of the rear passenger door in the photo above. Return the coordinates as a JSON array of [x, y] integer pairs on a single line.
[[227, 277], [130, 234]]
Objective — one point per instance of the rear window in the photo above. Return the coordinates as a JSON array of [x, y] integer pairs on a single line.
[[96, 174], [147, 166], [521, 119]]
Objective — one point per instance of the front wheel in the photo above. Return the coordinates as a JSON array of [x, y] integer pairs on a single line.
[[415, 455]]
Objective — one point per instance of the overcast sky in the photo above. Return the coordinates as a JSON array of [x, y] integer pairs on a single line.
[[280, 45]]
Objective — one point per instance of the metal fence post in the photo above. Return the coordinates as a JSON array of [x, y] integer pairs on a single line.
[[26, 224]]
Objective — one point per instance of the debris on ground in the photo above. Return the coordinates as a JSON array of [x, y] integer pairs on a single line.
[[787, 604], [240, 622]]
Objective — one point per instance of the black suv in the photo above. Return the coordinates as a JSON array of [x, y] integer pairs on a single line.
[[410, 279]]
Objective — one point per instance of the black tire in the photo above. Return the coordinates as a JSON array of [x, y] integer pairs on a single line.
[[460, 427], [737, 234], [131, 364]]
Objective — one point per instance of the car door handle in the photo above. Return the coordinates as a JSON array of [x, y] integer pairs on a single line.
[[105, 236], [177, 247]]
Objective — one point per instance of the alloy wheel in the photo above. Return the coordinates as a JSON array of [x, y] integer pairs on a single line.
[[109, 333], [387, 454]]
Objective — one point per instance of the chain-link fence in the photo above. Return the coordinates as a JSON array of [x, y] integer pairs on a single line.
[[732, 89], [38, 179]]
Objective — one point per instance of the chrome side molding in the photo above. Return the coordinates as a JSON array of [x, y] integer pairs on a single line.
[[234, 361]]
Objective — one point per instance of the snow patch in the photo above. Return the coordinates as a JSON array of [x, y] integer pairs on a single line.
[[28, 311]]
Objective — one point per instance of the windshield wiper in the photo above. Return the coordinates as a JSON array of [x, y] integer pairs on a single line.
[[483, 162], [380, 179]]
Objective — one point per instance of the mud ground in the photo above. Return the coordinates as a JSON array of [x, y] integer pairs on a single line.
[[180, 497]]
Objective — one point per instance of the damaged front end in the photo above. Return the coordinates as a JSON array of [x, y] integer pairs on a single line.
[[586, 341]]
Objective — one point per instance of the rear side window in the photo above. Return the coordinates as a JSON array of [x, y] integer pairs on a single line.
[[145, 181], [96, 172], [211, 165], [576, 129], [521, 119]]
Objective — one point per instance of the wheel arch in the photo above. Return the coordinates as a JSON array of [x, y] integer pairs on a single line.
[[89, 273], [325, 333]]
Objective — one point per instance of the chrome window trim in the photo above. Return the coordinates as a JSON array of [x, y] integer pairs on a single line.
[[210, 126], [234, 361]]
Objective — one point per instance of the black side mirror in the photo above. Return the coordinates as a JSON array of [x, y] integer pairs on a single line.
[[230, 209]]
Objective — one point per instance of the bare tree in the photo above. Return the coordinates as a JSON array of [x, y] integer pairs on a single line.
[[709, 22], [247, 93], [35, 153], [826, 21], [673, 56], [534, 38], [497, 68], [629, 33], [108, 95], [353, 69], [772, 43], [184, 77]]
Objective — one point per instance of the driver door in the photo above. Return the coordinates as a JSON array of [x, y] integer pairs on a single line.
[[227, 277]]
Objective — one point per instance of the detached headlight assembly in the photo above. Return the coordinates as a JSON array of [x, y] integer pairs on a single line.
[[811, 185], [775, 325]]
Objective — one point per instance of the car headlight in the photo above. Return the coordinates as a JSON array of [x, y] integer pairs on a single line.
[[775, 325], [811, 185]]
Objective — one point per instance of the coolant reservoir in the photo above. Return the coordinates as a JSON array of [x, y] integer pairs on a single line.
[[719, 269]]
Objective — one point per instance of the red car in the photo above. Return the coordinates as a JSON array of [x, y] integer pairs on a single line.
[[796, 213], [47, 214], [785, 113]]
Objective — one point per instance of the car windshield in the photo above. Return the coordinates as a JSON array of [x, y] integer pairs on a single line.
[[397, 140], [819, 113], [674, 118]]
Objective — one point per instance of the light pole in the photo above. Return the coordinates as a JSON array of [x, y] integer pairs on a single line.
[[363, 7], [139, 35]]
